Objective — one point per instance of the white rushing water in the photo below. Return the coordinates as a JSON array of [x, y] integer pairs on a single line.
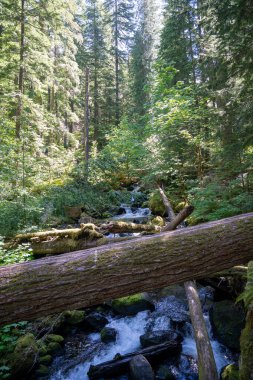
[[129, 330]]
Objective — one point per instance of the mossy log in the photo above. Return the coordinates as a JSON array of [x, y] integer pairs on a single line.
[[123, 227], [120, 365], [61, 241], [71, 281]]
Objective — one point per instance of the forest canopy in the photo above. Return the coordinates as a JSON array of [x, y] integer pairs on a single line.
[[99, 94]]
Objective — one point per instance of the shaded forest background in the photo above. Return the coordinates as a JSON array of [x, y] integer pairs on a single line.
[[99, 94]]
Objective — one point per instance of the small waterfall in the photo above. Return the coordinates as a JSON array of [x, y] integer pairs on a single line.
[[167, 310]]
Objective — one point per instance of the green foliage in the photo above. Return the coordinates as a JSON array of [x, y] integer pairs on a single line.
[[247, 295], [18, 255], [219, 200], [9, 335]]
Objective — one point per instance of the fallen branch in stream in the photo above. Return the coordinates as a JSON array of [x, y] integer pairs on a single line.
[[120, 366], [206, 363]]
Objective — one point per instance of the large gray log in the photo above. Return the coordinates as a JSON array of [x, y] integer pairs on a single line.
[[84, 278]]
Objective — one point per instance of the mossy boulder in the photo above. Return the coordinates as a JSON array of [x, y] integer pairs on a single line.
[[227, 320], [54, 338], [156, 205], [132, 305], [74, 317], [42, 371], [158, 221], [230, 372], [108, 334], [53, 348], [46, 359], [25, 354], [53, 323]]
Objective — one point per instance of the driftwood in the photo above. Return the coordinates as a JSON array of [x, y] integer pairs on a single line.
[[70, 281], [121, 365], [206, 363]]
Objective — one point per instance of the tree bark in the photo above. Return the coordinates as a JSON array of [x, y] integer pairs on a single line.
[[123, 227], [87, 122], [85, 278], [206, 363], [179, 218], [167, 204], [119, 366], [21, 70]]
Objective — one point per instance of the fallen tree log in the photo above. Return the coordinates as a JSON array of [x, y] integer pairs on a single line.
[[206, 363], [178, 219], [120, 366], [60, 241], [84, 278], [123, 227]]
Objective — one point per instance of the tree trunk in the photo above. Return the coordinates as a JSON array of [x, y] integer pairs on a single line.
[[85, 278], [21, 70], [179, 218], [167, 204], [87, 122], [120, 366], [117, 112], [206, 363]]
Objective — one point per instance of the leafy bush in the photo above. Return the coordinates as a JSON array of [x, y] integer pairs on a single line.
[[219, 200]]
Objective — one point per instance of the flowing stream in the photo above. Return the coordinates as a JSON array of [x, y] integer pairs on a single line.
[[171, 311]]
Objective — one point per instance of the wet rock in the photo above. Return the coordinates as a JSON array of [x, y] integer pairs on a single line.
[[158, 337], [108, 334], [140, 369], [53, 348], [74, 317], [164, 373], [230, 372], [85, 218], [25, 354], [42, 371], [132, 305], [96, 321], [227, 320], [121, 211], [176, 310], [46, 359]]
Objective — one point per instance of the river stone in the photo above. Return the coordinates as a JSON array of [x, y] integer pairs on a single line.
[[140, 369], [227, 320], [132, 305], [74, 317], [161, 336], [108, 334], [164, 373], [230, 372], [96, 321]]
